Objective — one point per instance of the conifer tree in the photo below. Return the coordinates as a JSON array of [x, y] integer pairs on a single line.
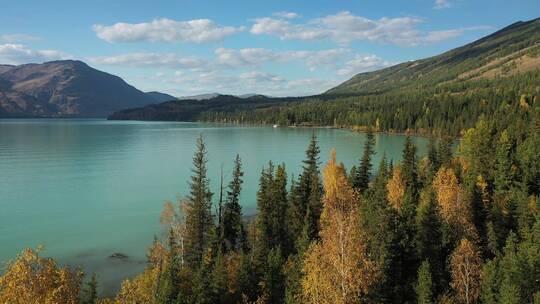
[[428, 237], [273, 281], [233, 228], [503, 163], [433, 159], [424, 285], [278, 215], [409, 168], [444, 153], [199, 220], [170, 284], [90, 292], [363, 172], [306, 194]]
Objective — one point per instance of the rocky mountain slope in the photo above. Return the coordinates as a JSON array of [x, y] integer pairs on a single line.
[[64, 88]]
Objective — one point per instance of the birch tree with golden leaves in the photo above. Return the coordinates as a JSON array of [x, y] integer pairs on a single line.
[[337, 268], [466, 269], [454, 206], [32, 279]]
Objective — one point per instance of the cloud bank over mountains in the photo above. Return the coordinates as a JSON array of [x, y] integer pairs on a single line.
[[266, 70]]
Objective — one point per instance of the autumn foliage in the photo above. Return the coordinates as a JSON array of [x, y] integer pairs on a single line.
[[32, 279], [338, 269]]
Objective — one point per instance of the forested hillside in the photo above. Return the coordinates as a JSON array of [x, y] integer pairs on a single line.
[[444, 228], [442, 95], [509, 51]]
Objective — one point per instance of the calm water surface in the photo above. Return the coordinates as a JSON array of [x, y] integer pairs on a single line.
[[89, 188]]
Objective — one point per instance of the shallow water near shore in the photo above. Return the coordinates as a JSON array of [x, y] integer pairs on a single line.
[[89, 188]]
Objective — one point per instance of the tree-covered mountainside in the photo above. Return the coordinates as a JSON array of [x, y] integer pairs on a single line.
[[64, 88], [507, 52], [444, 94], [191, 109]]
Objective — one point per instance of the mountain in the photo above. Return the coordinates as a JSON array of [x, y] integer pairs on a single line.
[[160, 97], [512, 50], [214, 95], [441, 95], [5, 68], [201, 96], [64, 88]]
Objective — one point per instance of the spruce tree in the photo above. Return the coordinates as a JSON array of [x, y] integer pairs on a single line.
[[273, 280], [200, 230], [444, 153], [233, 228], [433, 159], [503, 163], [170, 283], [424, 285], [363, 172], [278, 215], [89, 295], [428, 237], [407, 224], [306, 193], [265, 240]]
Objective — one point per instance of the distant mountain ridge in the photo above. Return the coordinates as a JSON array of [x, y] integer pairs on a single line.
[[214, 95], [64, 88], [444, 93], [200, 96], [160, 97]]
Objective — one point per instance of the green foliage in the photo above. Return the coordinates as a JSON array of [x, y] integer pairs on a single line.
[[361, 180], [305, 204], [89, 294], [234, 235], [273, 281], [200, 232], [424, 285]]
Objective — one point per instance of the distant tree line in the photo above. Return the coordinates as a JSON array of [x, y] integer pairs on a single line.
[[448, 108]]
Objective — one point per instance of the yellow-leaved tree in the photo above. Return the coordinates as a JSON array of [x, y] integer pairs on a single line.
[[466, 269], [337, 268], [396, 189], [454, 206], [32, 279], [144, 287]]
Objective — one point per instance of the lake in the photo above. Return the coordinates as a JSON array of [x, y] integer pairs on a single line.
[[89, 188]]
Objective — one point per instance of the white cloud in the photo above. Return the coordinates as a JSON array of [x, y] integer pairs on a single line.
[[14, 38], [361, 64], [165, 30], [442, 4], [260, 77], [258, 56], [345, 27], [286, 15], [225, 59], [151, 60], [247, 82], [19, 54]]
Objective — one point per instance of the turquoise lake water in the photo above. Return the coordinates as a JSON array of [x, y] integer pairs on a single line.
[[89, 188]]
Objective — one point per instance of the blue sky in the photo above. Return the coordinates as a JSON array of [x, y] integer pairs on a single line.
[[278, 48]]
